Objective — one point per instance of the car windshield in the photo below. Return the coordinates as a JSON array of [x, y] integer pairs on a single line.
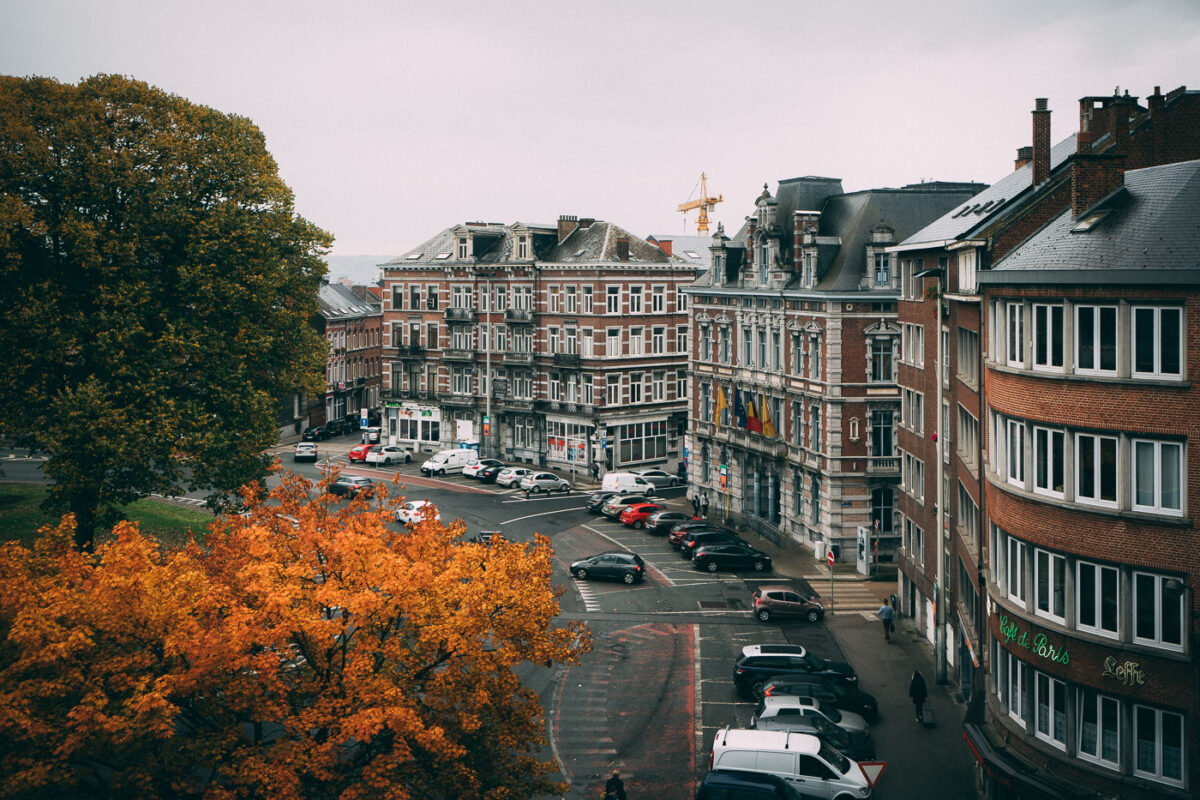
[[828, 729], [834, 758], [829, 711]]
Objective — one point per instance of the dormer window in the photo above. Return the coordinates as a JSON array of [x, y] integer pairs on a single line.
[[764, 260], [522, 247], [718, 270], [809, 275], [462, 248], [883, 269]]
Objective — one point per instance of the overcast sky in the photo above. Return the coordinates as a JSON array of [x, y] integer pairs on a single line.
[[394, 120]]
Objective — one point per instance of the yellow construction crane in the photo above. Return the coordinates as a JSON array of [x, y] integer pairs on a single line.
[[704, 204]]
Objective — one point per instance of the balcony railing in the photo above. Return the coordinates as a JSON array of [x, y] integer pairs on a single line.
[[454, 314], [883, 465], [518, 315], [518, 358], [410, 351], [458, 354], [570, 360], [458, 400]]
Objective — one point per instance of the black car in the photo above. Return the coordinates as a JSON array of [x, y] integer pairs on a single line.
[[333, 428], [721, 784], [827, 690], [488, 474], [713, 557], [351, 485], [596, 499], [684, 528], [313, 433], [663, 521], [703, 538], [758, 664], [627, 567]]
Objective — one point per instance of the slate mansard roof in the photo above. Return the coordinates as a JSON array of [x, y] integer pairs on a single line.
[[1146, 232], [336, 301]]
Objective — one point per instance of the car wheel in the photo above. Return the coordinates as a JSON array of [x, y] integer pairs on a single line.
[[629, 578], [757, 687], [638, 525], [441, 472], [407, 458], [760, 566], [812, 616], [711, 566], [566, 487], [387, 462], [581, 574], [763, 615]]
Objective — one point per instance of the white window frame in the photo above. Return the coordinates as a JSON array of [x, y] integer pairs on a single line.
[[1014, 452], [1049, 585], [613, 300], [1017, 688], [1048, 693], [1097, 601], [1147, 717], [1098, 704], [637, 341], [1158, 450], [1156, 355], [636, 298], [1098, 477], [1015, 566], [1048, 337], [1158, 601], [1014, 329], [1049, 457], [1098, 316], [658, 299], [587, 300]]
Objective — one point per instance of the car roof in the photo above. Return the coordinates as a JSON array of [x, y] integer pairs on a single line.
[[774, 649], [774, 587], [743, 738], [789, 701]]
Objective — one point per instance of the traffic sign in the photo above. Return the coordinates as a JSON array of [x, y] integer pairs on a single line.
[[871, 770], [829, 558]]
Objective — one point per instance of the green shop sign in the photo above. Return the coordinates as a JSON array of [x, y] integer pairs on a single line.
[[1038, 644]]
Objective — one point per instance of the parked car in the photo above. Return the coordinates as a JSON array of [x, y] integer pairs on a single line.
[[544, 482], [784, 601], [795, 705], [675, 537], [722, 784], [305, 451], [416, 510], [760, 663], [696, 539], [351, 485], [313, 433], [358, 453], [774, 715], [635, 515], [626, 567], [831, 691], [658, 477], [626, 483], [512, 476], [713, 557], [471, 470], [371, 435], [489, 473], [335, 427], [596, 499], [388, 454], [663, 521], [809, 765], [614, 505]]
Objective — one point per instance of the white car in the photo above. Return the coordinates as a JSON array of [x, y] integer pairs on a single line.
[[416, 510], [512, 476], [472, 470], [305, 451], [388, 454]]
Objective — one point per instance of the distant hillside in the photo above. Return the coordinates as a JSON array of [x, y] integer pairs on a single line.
[[360, 269]]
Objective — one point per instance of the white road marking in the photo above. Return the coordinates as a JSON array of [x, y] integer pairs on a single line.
[[531, 516]]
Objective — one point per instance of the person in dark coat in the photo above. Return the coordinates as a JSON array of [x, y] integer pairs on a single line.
[[615, 788], [918, 693]]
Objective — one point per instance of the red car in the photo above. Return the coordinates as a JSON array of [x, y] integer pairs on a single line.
[[635, 515], [359, 453]]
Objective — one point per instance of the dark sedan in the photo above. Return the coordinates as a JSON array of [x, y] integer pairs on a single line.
[[625, 567], [351, 485], [753, 669], [314, 433], [703, 538], [713, 557], [826, 690], [488, 474], [596, 499], [663, 521], [684, 528]]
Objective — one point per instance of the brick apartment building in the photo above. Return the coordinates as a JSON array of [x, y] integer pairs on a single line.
[[582, 328], [1068, 616], [351, 319], [793, 364]]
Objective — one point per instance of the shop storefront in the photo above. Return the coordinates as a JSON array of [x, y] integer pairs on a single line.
[[414, 425]]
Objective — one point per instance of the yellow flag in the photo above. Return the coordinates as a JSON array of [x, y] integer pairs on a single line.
[[721, 404], [768, 427]]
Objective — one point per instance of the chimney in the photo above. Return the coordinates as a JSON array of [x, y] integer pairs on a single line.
[[586, 222], [1094, 176], [664, 245], [1041, 141], [566, 226], [1024, 156], [622, 248], [1157, 121], [1118, 124]]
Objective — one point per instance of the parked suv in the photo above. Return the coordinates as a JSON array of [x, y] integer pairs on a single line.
[[388, 454], [695, 539], [826, 689], [305, 451], [684, 528], [785, 706], [784, 601], [760, 663]]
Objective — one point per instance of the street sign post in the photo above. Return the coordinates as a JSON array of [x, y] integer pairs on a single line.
[[872, 770], [830, 559]]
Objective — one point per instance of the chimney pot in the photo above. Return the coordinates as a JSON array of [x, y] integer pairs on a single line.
[[1024, 156], [623, 248], [1041, 141]]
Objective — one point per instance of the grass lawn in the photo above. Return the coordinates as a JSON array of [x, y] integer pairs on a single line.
[[170, 524]]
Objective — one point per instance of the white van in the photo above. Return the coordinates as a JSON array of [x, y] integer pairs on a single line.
[[445, 461], [626, 483], [809, 765]]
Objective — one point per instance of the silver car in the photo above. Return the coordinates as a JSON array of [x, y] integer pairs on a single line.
[[544, 482], [512, 476], [658, 477]]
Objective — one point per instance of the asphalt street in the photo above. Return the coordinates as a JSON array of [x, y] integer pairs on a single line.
[[657, 685]]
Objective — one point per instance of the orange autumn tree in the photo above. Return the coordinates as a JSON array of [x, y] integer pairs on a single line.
[[307, 650]]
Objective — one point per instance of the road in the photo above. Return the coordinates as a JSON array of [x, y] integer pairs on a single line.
[[657, 685]]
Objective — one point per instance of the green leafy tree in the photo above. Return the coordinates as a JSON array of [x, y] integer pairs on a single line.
[[159, 290]]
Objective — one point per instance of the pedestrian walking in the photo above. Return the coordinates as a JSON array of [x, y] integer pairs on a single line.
[[886, 615], [595, 472], [614, 789], [918, 693], [695, 505], [704, 505]]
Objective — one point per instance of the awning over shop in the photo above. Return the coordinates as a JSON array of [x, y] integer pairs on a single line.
[[1023, 780]]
